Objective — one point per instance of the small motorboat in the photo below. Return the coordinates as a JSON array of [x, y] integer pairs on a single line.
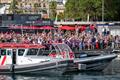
[[93, 63], [83, 61], [31, 58]]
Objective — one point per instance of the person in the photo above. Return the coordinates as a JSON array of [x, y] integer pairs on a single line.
[[93, 42], [104, 31], [14, 56]]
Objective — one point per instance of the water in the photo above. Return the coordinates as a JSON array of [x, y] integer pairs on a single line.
[[110, 73], [73, 76]]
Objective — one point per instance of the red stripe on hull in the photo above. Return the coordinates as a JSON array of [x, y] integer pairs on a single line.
[[3, 61]]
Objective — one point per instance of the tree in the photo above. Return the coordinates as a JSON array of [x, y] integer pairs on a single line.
[[53, 7], [70, 9], [93, 9], [60, 16], [36, 7], [112, 10], [14, 7], [83, 8]]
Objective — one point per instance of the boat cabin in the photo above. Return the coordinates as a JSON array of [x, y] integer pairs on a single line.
[[21, 54]]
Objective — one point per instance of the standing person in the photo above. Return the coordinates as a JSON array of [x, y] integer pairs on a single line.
[[116, 41], [93, 42], [97, 44], [76, 30], [101, 42], [113, 43], [82, 43], [104, 31], [40, 40]]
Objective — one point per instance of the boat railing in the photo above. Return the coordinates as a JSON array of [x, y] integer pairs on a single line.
[[52, 51]]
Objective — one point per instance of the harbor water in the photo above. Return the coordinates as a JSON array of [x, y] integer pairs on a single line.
[[112, 72]]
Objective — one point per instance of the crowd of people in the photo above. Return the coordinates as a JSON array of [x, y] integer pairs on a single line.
[[79, 39]]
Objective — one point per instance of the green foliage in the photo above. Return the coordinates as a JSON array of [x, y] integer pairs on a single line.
[[81, 8], [61, 16], [14, 7], [112, 10], [70, 7], [36, 7], [53, 6]]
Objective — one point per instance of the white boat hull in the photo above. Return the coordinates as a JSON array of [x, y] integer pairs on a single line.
[[55, 67]]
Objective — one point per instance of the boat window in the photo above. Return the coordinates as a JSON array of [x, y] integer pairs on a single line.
[[48, 49], [32, 52], [9, 52], [3, 52], [64, 47], [41, 52], [45, 52], [21, 52], [57, 49]]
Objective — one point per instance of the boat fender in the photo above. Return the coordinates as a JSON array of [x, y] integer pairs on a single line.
[[12, 68], [83, 55], [81, 66], [57, 64], [71, 54]]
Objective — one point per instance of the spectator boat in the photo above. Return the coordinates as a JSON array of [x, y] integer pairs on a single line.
[[49, 58], [30, 58]]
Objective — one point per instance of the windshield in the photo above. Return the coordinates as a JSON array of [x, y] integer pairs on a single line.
[[3, 52], [21, 52], [47, 50], [9, 52], [32, 52]]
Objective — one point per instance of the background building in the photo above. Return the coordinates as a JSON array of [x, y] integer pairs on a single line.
[[35, 6], [5, 1], [31, 6], [60, 7]]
